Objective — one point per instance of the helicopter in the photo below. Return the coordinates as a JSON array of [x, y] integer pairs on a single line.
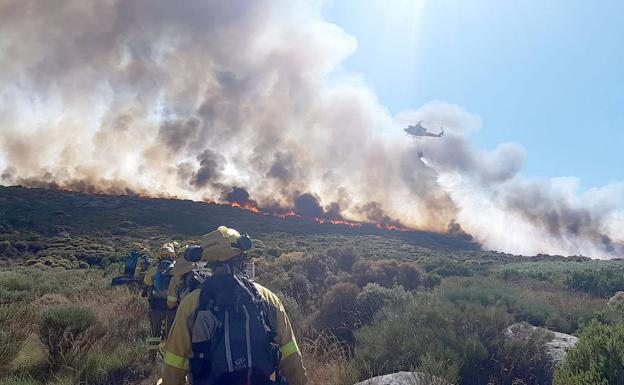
[[417, 130]]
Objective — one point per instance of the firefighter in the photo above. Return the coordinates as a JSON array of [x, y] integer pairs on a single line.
[[231, 330], [177, 288], [156, 284]]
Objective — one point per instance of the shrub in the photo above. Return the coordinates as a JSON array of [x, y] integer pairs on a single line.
[[432, 280], [539, 304], [444, 369], [409, 275], [601, 282], [370, 300], [381, 272], [338, 310], [523, 357], [10, 344], [124, 364], [373, 298], [446, 267], [345, 257], [461, 336], [61, 326], [327, 362], [596, 358], [315, 267], [32, 358]]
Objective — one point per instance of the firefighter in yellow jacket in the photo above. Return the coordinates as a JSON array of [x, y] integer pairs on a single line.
[[156, 283], [195, 327], [181, 268]]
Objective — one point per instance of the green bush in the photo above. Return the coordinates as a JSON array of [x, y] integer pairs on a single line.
[[409, 275], [14, 281], [543, 305], [345, 257], [403, 335], [382, 272], [432, 280], [338, 310], [10, 345], [373, 298], [523, 359], [61, 326], [32, 358], [597, 358], [446, 267], [601, 282]]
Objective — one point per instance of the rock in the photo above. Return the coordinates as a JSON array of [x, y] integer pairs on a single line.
[[556, 348], [616, 298], [405, 378]]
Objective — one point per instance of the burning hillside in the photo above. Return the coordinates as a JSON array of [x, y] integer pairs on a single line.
[[190, 100]]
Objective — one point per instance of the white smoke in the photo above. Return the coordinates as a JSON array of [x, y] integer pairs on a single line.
[[191, 98]]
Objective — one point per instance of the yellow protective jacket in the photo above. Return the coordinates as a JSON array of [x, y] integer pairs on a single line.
[[178, 346], [172, 291], [148, 279], [181, 267]]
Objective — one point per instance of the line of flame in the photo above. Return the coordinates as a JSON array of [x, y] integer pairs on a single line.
[[249, 206]]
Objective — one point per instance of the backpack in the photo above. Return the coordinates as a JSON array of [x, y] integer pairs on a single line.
[[145, 263], [130, 263], [163, 277], [191, 281], [158, 297], [232, 336]]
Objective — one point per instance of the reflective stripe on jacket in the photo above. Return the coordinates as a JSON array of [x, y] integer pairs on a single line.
[[178, 346]]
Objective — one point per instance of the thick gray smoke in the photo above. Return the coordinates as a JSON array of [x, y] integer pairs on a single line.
[[191, 98]]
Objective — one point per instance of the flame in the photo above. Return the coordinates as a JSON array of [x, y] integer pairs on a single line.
[[283, 213], [338, 222], [391, 227], [251, 206], [246, 206]]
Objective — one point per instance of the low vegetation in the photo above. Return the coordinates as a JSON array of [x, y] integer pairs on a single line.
[[363, 303]]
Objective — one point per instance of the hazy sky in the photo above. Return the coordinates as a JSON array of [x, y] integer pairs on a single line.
[[548, 75]]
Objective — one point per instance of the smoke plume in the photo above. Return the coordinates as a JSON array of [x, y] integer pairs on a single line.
[[190, 98]]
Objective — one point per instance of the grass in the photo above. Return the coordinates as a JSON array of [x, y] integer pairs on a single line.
[[70, 326]]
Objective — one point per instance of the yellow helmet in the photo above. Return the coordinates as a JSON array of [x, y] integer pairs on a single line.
[[222, 244], [136, 246], [166, 251]]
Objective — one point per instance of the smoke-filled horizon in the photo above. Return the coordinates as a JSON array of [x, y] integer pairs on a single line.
[[192, 99]]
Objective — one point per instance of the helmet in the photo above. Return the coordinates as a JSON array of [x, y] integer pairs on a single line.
[[166, 251], [136, 246], [222, 244]]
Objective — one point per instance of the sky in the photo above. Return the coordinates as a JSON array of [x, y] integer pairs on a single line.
[[547, 75]]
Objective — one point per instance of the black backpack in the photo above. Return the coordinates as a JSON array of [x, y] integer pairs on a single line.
[[233, 339], [191, 281]]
